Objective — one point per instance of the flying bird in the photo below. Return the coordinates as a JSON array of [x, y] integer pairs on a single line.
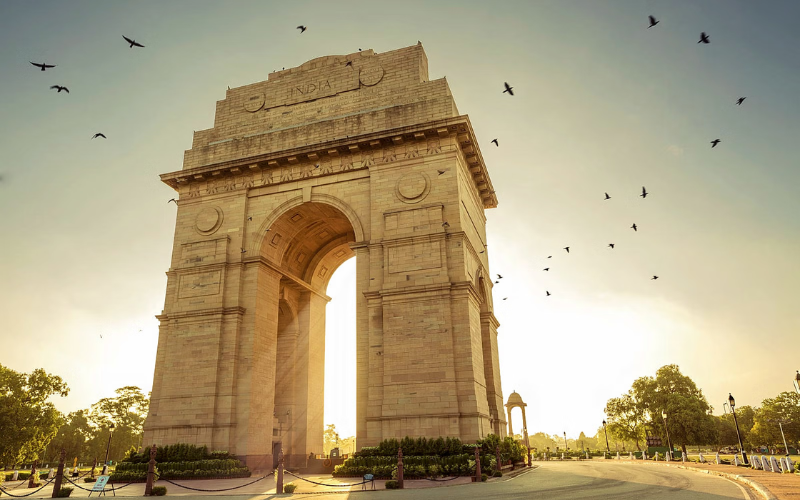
[[243, 250], [653, 22], [548, 293], [173, 200], [704, 38], [302, 29], [508, 89], [60, 88], [654, 278], [634, 227], [496, 143], [499, 277], [546, 269], [101, 336], [644, 193], [482, 251], [249, 218], [445, 224], [607, 197], [443, 171], [611, 245], [740, 100], [505, 298], [348, 63], [715, 142], [565, 248], [99, 134], [496, 282], [43, 66], [549, 256], [133, 43]]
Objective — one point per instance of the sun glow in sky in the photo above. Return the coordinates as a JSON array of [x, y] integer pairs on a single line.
[[602, 104]]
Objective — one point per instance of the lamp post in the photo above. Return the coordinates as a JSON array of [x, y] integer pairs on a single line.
[[606, 432], [732, 403], [780, 425], [797, 382], [566, 448], [108, 447], [669, 443]]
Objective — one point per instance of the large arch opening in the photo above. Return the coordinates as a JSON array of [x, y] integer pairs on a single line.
[[305, 244]]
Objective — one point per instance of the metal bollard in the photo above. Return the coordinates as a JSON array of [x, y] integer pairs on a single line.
[[32, 479], [151, 472], [59, 474], [477, 465], [497, 458], [400, 468]]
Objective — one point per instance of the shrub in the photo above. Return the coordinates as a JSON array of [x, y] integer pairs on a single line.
[[64, 492], [289, 488], [484, 478], [392, 485], [497, 473], [159, 491]]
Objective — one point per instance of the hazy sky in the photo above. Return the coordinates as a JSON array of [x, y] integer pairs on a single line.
[[602, 104]]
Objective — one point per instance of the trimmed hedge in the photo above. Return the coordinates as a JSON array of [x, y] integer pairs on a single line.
[[159, 491], [424, 466], [176, 453], [136, 476]]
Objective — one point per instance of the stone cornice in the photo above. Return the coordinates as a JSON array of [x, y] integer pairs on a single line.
[[216, 311], [303, 162]]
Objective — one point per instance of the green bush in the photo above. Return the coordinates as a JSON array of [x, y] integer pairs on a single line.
[[497, 473], [392, 485], [484, 478], [159, 491], [289, 488], [89, 480], [21, 477], [64, 492]]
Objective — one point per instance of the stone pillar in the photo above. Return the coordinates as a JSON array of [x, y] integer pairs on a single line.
[[59, 474], [279, 474], [151, 472], [400, 468], [477, 464], [498, 458], [510, 425], [32, 479]]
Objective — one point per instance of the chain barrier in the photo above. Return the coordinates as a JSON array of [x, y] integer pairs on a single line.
[[223, 489], [76, 484], [3, 490], [329, 485]]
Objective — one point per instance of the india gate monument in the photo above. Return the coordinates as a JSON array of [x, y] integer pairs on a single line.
[[350, 155]]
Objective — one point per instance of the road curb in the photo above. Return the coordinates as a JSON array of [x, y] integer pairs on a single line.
[[760, 488]]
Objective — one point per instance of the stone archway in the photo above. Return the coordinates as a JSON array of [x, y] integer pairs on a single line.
[[316, 165]]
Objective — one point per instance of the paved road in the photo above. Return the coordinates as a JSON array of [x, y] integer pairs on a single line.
[[551, 481]]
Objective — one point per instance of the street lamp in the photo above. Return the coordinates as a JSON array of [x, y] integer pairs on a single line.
[[108, 447], [797, 382], [566, 448], [604, 430], [780, 425], [732, 403], [669, 443]]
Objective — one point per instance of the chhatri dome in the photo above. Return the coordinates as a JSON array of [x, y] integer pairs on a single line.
[[515, 400]]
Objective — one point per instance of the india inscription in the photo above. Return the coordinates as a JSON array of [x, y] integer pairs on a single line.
[[337, 158]]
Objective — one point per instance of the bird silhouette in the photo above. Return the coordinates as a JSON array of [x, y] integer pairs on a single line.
[[607, 197], [249, 218], [243, 250], [549, 256], [43, 66], [133, 43], [508, 89], [565, 248], [634, 227], [348, 63], [546, 269], [496, 143], [740, 100], [611, 245], [443, 171], [704, 38], [499, 277], [60, 88], [654, 278], [99, 134], [505, 298], [302, 29], [445, 224], [715, 142], [496, 282], [101, 336], [653, 22], [548, 293], [173, 200], [482, 251], [644, 193]]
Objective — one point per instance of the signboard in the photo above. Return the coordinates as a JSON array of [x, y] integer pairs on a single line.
[[100, 485]]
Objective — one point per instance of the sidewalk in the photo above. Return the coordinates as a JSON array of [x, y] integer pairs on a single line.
[[776, 486]]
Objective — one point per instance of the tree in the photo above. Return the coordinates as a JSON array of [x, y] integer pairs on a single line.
[[127, 411], [73, 437], [330, 439], [626, 418], [27, 420], [689, 418], [785, 408]]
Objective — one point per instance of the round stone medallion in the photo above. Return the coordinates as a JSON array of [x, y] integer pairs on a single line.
[[208, 220], [371, 75], [254, 103], [412, 187]]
